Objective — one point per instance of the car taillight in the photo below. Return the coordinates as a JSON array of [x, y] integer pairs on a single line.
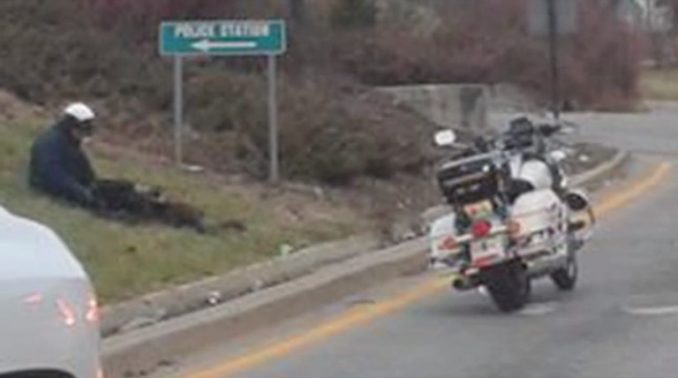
[[34, 299], [67, 313], [481, 229], [92, 314]]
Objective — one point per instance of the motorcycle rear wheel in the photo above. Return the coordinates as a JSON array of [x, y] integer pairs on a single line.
[[509, 286]]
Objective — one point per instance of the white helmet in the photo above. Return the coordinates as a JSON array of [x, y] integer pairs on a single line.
[[80, 111]]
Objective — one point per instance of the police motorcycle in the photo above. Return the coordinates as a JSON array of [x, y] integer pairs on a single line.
[[513, 218]]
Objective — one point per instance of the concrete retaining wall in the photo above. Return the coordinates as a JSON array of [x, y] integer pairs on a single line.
[[463, 106]]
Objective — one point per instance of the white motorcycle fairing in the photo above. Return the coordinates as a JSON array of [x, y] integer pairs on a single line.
[[537, 173]]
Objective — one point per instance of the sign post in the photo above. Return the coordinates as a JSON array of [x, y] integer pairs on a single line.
[[274, 174], [178, 109], [225, 38]]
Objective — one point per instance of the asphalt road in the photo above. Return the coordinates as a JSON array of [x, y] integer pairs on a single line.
[[621, 321]]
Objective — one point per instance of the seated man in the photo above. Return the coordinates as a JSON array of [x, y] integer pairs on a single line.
[[60, 168], [58, 165]]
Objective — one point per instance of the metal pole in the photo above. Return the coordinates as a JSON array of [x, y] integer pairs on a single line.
[[273, 120], [553, 56], [178, 109]]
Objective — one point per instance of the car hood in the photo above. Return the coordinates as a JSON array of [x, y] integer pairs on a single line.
[[31, 250]]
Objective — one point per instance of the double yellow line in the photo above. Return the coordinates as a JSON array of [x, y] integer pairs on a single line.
[[361, 315]]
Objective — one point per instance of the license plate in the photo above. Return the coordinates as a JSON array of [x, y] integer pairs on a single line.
[[493, 247]]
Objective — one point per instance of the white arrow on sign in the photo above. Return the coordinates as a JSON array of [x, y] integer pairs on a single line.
[[206, 45]]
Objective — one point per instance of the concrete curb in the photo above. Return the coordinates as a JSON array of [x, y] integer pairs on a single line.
[[603, 170], [142, 350], [155, 307]]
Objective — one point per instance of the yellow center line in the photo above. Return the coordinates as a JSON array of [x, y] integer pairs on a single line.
[[362, 315], [640, 187], [348, 320]]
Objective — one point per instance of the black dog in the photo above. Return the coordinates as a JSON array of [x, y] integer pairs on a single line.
[[123, 200]]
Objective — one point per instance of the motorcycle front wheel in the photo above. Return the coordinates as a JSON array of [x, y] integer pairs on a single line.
[[565, 278]]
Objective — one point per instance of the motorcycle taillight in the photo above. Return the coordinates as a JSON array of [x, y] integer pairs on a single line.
[[481, 229], [513, 227], [448, 244]]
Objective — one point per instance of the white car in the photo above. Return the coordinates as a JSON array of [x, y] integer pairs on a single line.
[[49, 326]]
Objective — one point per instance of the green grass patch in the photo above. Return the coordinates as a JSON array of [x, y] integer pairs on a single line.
[[659, 84], [126, 261]]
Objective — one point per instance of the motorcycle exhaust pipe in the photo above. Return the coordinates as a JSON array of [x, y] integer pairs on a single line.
[[462, 283], [459, 283]]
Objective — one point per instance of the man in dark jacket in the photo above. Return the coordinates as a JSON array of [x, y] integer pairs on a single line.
[[61, 169], [58, 165]]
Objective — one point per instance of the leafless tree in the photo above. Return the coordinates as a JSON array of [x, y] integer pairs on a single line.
[[299, 12]]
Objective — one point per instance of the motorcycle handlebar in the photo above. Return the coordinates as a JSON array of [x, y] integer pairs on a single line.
[[548, 130], [512, 139]]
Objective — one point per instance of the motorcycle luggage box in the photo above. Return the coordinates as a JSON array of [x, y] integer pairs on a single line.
[[468, 180]]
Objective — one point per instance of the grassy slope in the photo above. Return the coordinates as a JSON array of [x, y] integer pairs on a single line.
[[125, 261], [659, 84]]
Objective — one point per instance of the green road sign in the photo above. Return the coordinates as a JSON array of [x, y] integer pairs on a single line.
[[223, 38]]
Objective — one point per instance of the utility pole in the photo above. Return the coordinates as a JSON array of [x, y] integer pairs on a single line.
[[554, 58], [552, 20]]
